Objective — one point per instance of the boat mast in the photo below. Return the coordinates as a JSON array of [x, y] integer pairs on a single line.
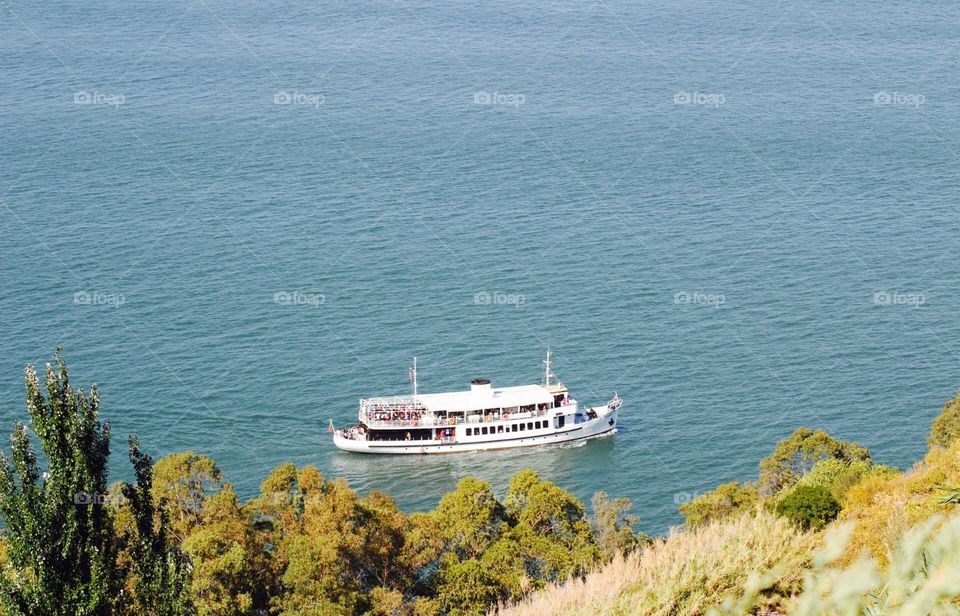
[[546, 370], [413, 375]]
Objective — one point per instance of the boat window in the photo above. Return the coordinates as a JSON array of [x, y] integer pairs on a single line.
[[529, 425], [513, 428], [499, 429], [523, 427], [469, 431], [484, 429]]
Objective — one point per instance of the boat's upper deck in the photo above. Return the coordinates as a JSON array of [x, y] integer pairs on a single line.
[[481, 396]]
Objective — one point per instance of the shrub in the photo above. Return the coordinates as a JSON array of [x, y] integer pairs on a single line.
[[721, 502], [797, 455], [613, 526], [839, 476], [946, 427], [809, 506]]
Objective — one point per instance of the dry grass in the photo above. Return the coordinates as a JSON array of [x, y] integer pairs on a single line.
[[884, 508], [685, 573], [758, 563]]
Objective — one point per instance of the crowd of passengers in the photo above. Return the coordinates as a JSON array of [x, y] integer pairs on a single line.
[[412, 416], [396, 414], [354, 433]]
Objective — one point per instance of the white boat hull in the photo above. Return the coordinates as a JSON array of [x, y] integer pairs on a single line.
[[604, 424]]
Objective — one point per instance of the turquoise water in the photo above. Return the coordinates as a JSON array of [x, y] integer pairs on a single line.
[[742, 217]]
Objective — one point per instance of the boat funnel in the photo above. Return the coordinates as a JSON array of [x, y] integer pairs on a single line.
[[480, 385]]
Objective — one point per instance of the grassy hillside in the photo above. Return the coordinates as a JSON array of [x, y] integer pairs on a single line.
[[859, 539], [685, 572]]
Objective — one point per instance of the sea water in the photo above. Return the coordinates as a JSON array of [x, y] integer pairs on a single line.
[[238, 218]]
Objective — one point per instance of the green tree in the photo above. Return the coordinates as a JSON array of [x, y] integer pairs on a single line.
[[613, 526], [382, 530], [551, 527], [946, 426], [273, 513], [724, 500], [222, 551], [159, 573], [839, 476], [58, 534], [809, 506], [795, 456], [470, 518], [468, 588], [332, 552], [181, 483]]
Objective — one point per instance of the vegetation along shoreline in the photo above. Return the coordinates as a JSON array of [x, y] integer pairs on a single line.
[[822, 530]]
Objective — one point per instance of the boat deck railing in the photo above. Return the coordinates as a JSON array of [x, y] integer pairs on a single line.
[[421, 419], [392, 404]]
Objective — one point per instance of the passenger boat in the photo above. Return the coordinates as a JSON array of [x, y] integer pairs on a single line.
[[483, 417]]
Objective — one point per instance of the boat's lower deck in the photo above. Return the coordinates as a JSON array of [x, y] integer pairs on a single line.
[[599, 425]]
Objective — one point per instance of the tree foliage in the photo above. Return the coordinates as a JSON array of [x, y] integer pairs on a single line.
[[613, 526], [221, 549], [723, 501], [181, 482], [58, 533], [797, 455], [73, 545], [158, 572], [809, 506], [178, 540]]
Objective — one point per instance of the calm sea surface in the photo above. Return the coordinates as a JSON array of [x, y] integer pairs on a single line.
[[239, 217]]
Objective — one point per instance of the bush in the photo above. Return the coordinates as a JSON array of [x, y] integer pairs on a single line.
[[796, 456], [721, 502], [809, 506], [840, 476], [946, 427]]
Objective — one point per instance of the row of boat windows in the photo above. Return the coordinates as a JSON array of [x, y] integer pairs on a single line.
[[521, 427]]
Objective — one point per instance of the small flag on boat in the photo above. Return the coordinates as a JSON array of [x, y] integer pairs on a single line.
[[615, 397], [411, 374], [330, 427]]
